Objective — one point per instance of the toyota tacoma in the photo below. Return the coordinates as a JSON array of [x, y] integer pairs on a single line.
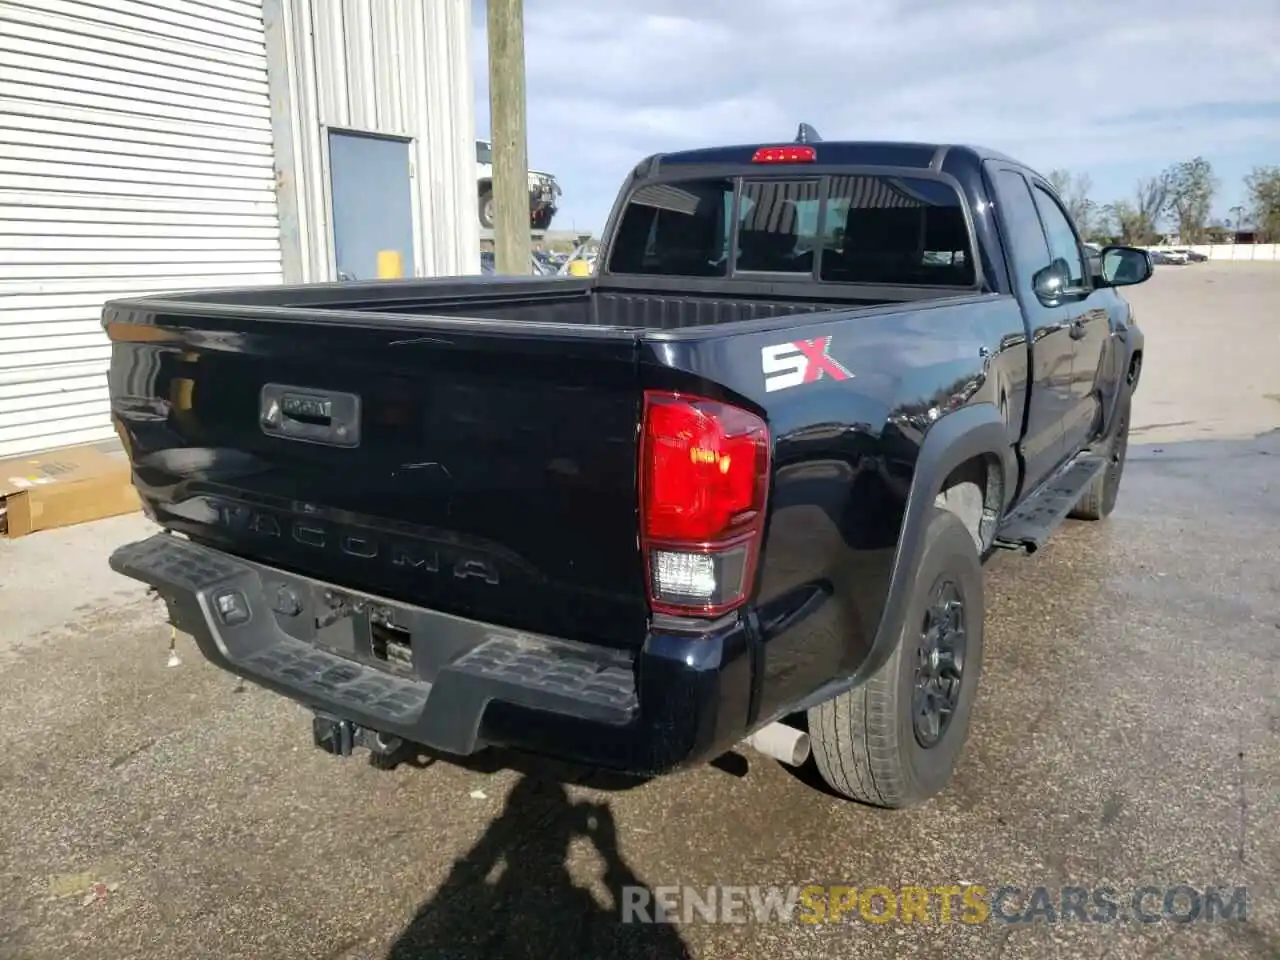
[[738, 485]]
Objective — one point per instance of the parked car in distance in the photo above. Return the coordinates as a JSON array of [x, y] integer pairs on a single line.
[[544, 191], [1193, 256], [548, 262], [1171, 256], [744, 471]]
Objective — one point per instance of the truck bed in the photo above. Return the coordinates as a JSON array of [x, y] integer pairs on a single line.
[[565, 301], [490, 467]]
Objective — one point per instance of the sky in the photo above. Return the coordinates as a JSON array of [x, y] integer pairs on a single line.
[[1114, 90]]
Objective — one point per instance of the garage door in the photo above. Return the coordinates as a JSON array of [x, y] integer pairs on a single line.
[[135, 157]]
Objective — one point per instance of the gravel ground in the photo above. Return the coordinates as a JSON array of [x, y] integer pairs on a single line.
[[1127, 733]]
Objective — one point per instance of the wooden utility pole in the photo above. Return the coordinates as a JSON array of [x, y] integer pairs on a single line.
[[506, 120]]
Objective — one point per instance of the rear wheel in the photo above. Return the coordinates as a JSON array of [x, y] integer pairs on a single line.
[[894, 741], [486, 209], [1099, 497]]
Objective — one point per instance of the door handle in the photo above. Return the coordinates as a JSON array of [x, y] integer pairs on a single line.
[[1077, 330]]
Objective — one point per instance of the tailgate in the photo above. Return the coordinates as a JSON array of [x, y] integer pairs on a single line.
[[481, 471]]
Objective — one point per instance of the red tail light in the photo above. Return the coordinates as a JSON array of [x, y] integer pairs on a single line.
[[704, 478], [785, 155]]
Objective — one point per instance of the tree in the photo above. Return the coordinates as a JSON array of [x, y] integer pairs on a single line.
[[1263, 188], [1153, 200], [1136, 220], [1129, 222], [1190, 187], [1074, 191], [1060, 180], [1103, 228]]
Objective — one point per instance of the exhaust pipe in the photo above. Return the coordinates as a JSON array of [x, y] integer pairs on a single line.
[[784, 744]]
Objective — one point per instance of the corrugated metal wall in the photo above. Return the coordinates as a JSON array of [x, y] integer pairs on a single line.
[[394, 67], [135, 157]]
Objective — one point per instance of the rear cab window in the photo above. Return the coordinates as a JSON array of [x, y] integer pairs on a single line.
[[856, 228]]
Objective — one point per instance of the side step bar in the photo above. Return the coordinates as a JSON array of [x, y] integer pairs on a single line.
[[1031, 523]]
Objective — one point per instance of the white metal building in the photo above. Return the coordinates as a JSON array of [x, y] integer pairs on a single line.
[[152, 145]]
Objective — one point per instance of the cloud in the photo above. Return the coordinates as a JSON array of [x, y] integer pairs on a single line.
[[1104, 88]]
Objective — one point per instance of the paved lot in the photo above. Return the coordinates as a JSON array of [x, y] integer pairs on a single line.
[[1127, 733]]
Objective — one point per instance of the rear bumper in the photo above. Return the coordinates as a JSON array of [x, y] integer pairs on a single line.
[[680, 700]]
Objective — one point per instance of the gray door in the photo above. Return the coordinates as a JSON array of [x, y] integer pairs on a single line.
[[372, 211]]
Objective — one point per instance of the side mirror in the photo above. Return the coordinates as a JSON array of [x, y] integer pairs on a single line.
[[1052, 283], [1125, 266]]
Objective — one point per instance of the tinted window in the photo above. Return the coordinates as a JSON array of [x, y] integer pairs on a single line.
[[878, 230], [778, 225], [1062, 237], [895, 230], [484, 152], [675, 229], [1024, 234]]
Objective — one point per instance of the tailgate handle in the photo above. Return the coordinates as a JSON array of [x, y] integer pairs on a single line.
[[310, 415], [321, 415]]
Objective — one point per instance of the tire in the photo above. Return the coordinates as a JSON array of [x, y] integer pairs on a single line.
[[486, 209], [1099, 498], [865, 741]]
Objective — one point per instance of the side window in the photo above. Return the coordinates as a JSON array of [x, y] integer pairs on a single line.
[[1063, 243], [1026, 236]]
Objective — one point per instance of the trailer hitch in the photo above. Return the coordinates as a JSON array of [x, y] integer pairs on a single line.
[[343, 737]]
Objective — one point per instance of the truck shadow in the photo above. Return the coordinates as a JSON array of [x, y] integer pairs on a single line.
[[497, 759], [512, 894]]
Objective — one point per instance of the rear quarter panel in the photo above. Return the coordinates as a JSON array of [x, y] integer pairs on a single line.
[[846, 439]]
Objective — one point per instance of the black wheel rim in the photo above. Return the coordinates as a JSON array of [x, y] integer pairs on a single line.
[[939, 664]]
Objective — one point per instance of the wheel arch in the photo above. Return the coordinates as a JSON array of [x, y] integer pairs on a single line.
[[971, 441]]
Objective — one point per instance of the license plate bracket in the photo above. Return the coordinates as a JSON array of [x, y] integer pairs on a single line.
[[341, 624], [364, 630]]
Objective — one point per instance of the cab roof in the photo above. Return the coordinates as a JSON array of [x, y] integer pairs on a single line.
[[869, 153]]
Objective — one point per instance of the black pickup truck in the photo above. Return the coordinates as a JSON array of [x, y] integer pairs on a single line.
[[739, 485]]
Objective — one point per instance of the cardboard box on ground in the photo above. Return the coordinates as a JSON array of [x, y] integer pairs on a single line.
[[59, 488]]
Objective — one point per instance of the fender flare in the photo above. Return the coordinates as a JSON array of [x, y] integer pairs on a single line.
[[971, 431], [1130, 341]]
